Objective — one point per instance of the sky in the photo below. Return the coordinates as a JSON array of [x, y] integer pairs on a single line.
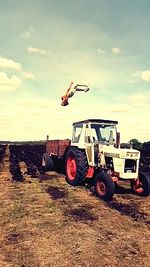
[[44, 44]]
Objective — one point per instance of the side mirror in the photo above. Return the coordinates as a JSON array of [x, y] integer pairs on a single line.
[[118, 140]]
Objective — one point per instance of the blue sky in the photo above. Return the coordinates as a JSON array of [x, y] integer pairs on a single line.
[[45, 44]]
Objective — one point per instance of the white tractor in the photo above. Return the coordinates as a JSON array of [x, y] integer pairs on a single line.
[[94, 152]]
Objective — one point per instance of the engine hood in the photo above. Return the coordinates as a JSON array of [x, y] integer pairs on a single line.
[[124, 153]]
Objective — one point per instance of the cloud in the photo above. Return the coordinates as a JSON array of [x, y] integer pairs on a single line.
[[121, 108], [9, 64], [9, 84], [14, 81], [132, 103], [140, 75], [27, 34], [37, 102], [116, 50], [145, 75], [134, 77], [28, 75], [135, 74], [35, 50], [137, 99], [100, 51]]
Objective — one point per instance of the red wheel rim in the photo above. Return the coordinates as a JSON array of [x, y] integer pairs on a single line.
[[71, 167], [101, 188], [138, 187]]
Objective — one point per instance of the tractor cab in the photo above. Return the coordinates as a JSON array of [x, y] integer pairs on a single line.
[[94, 131], [93, 135]]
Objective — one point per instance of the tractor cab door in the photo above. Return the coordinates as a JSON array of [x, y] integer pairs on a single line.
[[89, 145]]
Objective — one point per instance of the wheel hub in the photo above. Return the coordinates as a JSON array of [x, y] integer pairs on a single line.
[[71, 168], [101, 188], [138, 187]]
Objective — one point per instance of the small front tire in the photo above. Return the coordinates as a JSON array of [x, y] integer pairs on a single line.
[[141, 186], [104, 186]]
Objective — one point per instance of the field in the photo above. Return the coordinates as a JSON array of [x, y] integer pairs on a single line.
[[45, 222]]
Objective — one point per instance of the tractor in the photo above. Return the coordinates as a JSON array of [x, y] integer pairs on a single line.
[[94, 153]]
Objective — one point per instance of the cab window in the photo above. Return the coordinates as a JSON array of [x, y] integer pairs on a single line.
[[77, 130]]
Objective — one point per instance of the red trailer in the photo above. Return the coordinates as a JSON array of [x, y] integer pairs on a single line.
[[55, 155]]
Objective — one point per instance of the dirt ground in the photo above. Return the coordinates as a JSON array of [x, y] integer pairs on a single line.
[[44, 222]]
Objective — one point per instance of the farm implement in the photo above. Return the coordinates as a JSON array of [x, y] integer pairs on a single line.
[[2, 151]]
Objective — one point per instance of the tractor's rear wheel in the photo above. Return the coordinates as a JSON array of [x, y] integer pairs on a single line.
[[47, 162], [141, 186], [76, 166], [104, 186]]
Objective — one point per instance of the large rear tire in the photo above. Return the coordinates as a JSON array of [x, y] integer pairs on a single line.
[[76, 166], [141, 187], [104, 186], [47, 162]]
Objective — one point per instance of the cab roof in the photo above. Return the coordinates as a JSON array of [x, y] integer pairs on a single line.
[[96, 121]]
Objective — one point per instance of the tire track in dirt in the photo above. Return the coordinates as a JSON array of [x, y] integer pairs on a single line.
[[124, 202], [130, 205], [130, 210]]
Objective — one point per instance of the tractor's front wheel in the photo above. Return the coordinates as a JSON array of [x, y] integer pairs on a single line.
[[141, 186], [76, 166], [104, 186]]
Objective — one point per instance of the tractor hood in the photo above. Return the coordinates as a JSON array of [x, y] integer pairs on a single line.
[[111, 151]]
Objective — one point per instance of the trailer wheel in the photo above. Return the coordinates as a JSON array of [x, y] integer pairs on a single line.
[[76, 166], [141, 186], [47, 162], [104, 186]]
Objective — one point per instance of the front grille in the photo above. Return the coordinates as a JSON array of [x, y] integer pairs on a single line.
[[130, 165]]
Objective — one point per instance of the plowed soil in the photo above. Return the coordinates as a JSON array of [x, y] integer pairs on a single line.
[[45, 222]]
